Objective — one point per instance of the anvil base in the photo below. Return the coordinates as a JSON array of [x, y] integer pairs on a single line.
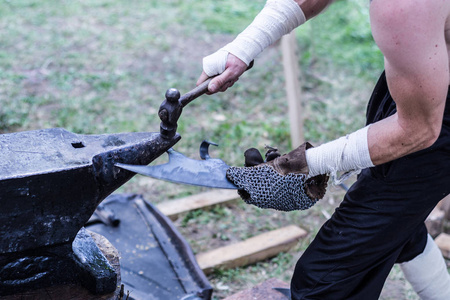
[[80, 262]]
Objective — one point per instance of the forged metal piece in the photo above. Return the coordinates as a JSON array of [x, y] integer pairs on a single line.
[[285, 291], [51, 182], [104, 215], [209, 172], [204, 149]]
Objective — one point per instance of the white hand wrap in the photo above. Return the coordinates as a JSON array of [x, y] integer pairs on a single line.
[[277, 18], [215, 63], [348, 153]]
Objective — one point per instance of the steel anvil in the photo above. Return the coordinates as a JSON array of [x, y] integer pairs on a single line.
[[51, 182]]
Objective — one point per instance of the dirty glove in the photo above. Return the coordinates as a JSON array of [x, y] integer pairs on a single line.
[[281, 183]]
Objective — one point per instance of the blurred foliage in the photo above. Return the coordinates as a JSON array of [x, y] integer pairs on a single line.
[[88, 65], [341, 39]]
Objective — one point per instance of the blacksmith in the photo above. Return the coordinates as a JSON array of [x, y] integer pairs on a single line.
[[403, 152]]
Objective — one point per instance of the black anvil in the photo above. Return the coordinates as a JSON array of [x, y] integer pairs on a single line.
[[51, 182]]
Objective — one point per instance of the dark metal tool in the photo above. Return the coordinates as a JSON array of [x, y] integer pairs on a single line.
[[285, 291], [104, 215], [209, 172], [171, 108]]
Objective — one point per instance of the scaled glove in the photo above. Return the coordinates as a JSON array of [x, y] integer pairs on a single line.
[[281, 183]]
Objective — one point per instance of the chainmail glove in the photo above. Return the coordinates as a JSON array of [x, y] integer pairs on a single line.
[[281, 183]]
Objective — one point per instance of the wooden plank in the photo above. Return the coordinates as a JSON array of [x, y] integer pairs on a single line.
[[254, 249], [443, 242], [293, 88], [173, 208]]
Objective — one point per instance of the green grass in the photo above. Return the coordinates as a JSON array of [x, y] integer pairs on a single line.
[[103, 66]]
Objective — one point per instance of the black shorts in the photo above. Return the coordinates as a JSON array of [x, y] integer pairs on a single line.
[[380, 221]]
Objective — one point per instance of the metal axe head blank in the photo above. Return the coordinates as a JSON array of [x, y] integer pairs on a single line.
[[208, 172]]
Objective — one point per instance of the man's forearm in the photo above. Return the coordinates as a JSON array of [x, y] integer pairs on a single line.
[[381, 142], [417, 74], [348, 153], [277, 18], [389, 140]]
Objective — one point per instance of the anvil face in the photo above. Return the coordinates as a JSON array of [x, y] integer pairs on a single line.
[[52, 180]]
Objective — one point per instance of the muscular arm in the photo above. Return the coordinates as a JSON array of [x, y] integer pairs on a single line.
[[410, 34]]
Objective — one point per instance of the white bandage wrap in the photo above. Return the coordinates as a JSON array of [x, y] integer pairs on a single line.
[[427, 273], [277, 18], [215, 63], [348, 153]]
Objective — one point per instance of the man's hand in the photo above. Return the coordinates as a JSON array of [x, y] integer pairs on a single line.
[[281, 183], [234, 68]]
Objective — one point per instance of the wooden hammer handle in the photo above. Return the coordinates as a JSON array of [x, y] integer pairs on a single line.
[[200, 90]]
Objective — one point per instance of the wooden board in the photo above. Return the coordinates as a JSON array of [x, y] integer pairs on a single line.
[[254, 249], [173, 208], [293, 88]]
